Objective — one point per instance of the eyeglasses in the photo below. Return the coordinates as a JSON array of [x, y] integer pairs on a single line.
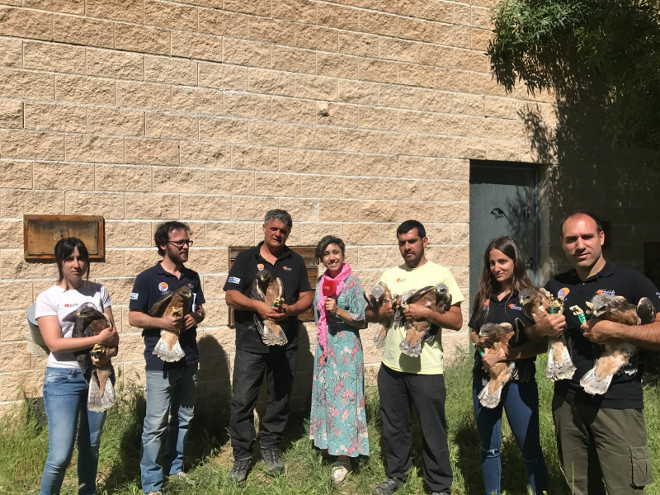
[[181, 243]]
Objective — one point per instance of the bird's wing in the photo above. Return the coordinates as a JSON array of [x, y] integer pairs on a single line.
[[158, 309]]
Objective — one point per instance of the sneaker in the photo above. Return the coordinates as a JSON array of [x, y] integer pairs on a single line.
[[339, 472], [387, 487], [273, 461], [240, 470]]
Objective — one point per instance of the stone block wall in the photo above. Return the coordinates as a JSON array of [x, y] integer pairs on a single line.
[[353, 115]]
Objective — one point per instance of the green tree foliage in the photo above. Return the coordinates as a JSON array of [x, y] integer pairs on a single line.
[[604, 52]]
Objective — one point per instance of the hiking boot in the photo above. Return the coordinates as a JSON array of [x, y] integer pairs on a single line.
[[273, 461], [240, 470], [387, 487]]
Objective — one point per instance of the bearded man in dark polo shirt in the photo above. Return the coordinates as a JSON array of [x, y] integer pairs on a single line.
[[171, 386], [602, 438], [253, 357]]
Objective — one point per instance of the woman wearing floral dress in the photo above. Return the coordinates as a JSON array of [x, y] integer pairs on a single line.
[[338, 421]]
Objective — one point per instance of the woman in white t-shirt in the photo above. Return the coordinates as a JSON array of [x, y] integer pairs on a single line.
[[65, 391]]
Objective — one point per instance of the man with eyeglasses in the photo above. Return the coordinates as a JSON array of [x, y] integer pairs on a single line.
[[254, 358], [171, 386]]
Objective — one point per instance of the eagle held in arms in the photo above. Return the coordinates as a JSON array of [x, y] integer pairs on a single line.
[[537, 304], [177, 303], [438, 299], [89, 322], [378, 295], [270, 291], [497, 338], [617, 354]]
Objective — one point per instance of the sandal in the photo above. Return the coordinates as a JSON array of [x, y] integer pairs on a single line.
[[339, 472]]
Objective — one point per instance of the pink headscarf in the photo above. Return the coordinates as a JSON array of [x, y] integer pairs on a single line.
[[322, 324]]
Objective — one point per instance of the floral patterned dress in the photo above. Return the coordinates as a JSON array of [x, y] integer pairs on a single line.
[[338, 418]]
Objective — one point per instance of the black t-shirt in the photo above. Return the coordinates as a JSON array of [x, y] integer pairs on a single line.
[[625, 391], [149, 286], [290, 268], [508, 310]]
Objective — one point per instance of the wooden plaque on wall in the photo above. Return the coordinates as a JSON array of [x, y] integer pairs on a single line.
[[307, 252], [41, 233]]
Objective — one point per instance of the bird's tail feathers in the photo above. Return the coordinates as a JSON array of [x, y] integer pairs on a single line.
[[594, 385], [560, 365], [97, 402], [162, 350]]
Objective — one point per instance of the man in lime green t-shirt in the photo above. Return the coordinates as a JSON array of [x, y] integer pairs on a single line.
[[405, 381]]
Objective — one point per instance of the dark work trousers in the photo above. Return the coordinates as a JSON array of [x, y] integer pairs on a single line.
[[249, 367], [398, 393]]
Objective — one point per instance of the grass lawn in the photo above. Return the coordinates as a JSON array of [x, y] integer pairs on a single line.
[[24, 445]]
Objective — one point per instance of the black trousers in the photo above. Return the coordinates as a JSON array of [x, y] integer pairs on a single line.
[[249, 367], [398, 393]]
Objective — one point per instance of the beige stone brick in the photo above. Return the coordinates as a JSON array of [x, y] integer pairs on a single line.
[[284, 184], [258, 7], [223, 23], [272, 82], [109, 205], [365, 45], [460, 233], [119, 10], [67, 6], [316, 38], [116, 65], [378, 70], [454, 125], [64, 118], [197, 46], [131, 350], [453, 35], [123, 178], [269, 134], [416, 29], [153, 206], [223, 76], [231, 182], [144, 95], [477, 61], [471, 148], [325, 138], [322, 186], [449, 255], [435, 11], [17, 385], [338, 114], [120, 291], [378, 118], [161, 125], [469, 104], [197, 100], [25, 84], [11, 52], [254, 158], [337, 210], [223, 130], [440, 56], [251, 208], [334, 65], [128, 234], [94, 149], [505, 150], [170, 15], [111, 266], [454, 169], [62, 177], [343, 164], [170, 70], [209, 260], [398, 49], [360, 233], [227, 234], [151, 152], [137, 260], [295, 10], [420, 75], [206, 207], [414, 98], [398, 143], [11, 114], [480, 39], [247, 105], [377, 257], [315, 87], [336, 16], [378, 23], [13, 326], [15, 267], [481, 17], [210, 155], [179, 179], [26, 23], [83, 31], [359, 92], [452, 211], [269, 30], [435, 146], [53, 57], [145, 39], [486, 84], [114, 121], [15, 295], [26, 144], [11, 233], [293, 59], [74, 89], [358, 140], [246, 53], [414, 166]]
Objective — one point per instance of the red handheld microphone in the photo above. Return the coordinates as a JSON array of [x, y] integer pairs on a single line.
[[329, 287]]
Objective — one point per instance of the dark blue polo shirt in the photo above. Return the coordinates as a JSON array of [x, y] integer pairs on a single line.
[[149, 286], [290, 267], [625, 392], [507, 310]]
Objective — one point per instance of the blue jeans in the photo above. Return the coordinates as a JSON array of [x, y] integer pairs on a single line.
[[521, 403], [65, 400], [169, 393]]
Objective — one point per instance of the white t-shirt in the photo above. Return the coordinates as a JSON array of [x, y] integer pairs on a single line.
[[399, 280], [61, 302]]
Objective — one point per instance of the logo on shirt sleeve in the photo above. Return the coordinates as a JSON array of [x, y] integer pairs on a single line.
[[134, 296], [233, 280]]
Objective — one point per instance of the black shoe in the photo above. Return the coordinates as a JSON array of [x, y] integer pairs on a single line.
[[240, 470], [273, 461], [387, 487]]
